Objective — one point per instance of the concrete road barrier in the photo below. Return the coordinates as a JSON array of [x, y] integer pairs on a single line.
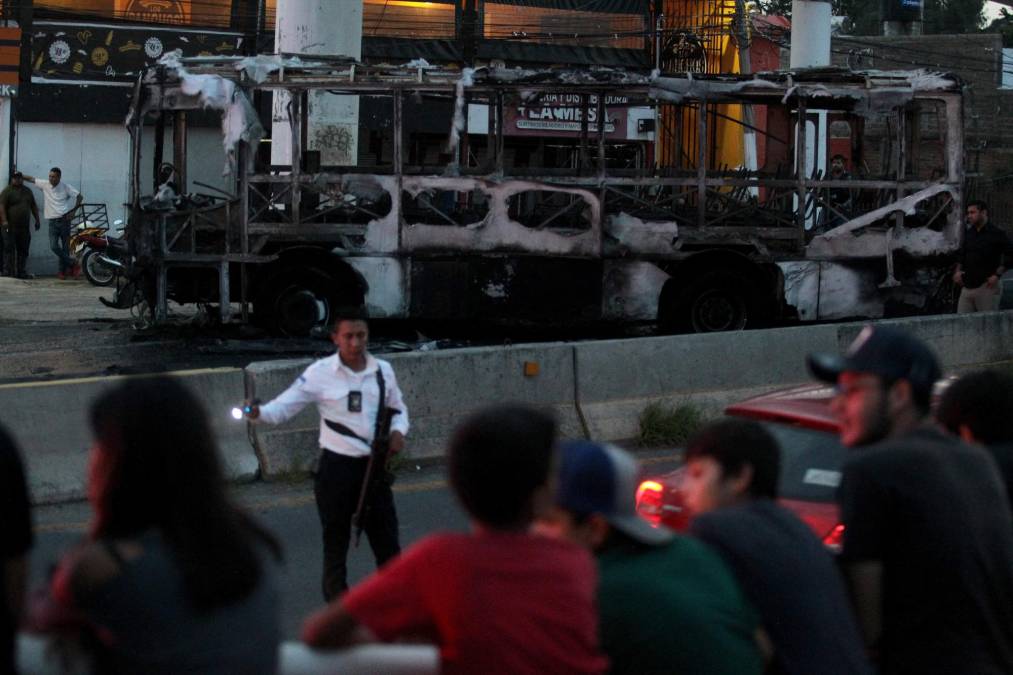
[[284, 449], [595, 388], [600, 388], [49, 420], [961, 341], [617, 379]]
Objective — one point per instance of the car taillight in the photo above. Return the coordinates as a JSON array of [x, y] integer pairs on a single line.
[[834, 538], [650, 498]]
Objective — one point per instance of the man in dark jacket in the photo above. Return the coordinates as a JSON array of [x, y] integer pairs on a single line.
[[16, 204], [928, 534], [982, 261]]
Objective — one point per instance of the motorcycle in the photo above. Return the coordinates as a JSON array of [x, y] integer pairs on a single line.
[[101, 256]]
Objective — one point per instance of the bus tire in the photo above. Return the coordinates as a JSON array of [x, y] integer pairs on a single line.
[[718, 301], [299, 301]]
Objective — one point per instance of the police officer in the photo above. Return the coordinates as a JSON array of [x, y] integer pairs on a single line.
[[346, 388]]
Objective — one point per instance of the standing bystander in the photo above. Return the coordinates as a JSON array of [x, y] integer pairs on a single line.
[[841, 198], [498, 599], [61, 200], [982, 261], [668, 603], [350, 389], [928, 535], [979, 408], [17, 203], [732, 469], [15, 541]]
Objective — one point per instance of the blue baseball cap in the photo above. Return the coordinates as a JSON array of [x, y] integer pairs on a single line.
[[601, 478]]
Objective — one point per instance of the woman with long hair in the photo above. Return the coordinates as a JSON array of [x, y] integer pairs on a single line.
[[173, 577]]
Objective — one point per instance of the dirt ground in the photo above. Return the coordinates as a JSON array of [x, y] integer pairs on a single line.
[[52, 329]]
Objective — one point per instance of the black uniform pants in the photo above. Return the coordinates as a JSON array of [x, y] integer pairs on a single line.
[[337, 485], [15, 241]]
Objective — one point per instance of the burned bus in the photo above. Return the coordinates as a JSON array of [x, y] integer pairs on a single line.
[[668, 227]]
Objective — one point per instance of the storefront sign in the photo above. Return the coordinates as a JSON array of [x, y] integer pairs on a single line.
[[154, 11], [562, 115]]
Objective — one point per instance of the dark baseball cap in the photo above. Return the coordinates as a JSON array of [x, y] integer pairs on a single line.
[[881, 350], [17, 174], [601, 478]]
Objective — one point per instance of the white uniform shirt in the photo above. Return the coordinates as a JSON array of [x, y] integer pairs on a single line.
[[327, 383], [59, 200]]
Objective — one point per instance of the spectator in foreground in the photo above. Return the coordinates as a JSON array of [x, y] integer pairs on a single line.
[[979, 409], [15, 542], [172, 576], [732, 470], [497, 599], [668, 604], [928, 539]]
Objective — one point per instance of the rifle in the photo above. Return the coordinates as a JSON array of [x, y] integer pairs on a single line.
[[375, 468]]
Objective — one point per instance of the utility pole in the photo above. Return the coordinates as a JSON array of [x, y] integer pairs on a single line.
[[469, 31], [323, 27], [810, 48], [810, 34]]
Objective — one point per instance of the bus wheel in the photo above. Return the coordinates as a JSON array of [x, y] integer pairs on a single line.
[[718, 301], [299, 301]]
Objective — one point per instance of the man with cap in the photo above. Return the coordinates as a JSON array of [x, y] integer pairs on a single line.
[[730, 487], [928, 539], [667, 603], [17, 203]]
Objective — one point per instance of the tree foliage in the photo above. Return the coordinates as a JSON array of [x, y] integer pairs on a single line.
[[1004, 26]]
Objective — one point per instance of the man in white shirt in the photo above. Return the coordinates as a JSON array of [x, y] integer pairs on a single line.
[[346, 389], [61, 200]]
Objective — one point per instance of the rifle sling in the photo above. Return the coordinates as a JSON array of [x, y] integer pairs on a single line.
[[344, 431]]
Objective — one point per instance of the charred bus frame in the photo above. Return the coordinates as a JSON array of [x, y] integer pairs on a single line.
[[693, 245]]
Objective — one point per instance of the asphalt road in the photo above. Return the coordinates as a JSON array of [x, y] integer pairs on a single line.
[[424, 504]]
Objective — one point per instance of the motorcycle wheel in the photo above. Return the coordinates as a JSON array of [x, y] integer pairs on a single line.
[[97, 272]]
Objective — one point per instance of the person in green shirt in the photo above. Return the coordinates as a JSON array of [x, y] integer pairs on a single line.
[[16, 204], [667, 603]]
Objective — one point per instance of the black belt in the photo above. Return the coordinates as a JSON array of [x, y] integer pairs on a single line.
[[344, 431]]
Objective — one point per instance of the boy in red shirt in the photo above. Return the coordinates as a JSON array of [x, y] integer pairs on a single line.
[[496, 600]]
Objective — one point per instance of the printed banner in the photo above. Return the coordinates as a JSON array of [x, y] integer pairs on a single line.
[[65, 51]]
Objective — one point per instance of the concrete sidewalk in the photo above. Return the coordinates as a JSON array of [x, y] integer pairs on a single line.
[[50, 299]]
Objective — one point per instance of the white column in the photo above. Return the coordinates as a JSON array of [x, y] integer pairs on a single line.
[[810, 34], [331, 27], [810, 48]]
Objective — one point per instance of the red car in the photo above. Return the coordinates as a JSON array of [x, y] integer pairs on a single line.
[[811, 459]]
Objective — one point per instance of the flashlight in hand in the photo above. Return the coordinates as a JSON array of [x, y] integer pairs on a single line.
[[240, 413]]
